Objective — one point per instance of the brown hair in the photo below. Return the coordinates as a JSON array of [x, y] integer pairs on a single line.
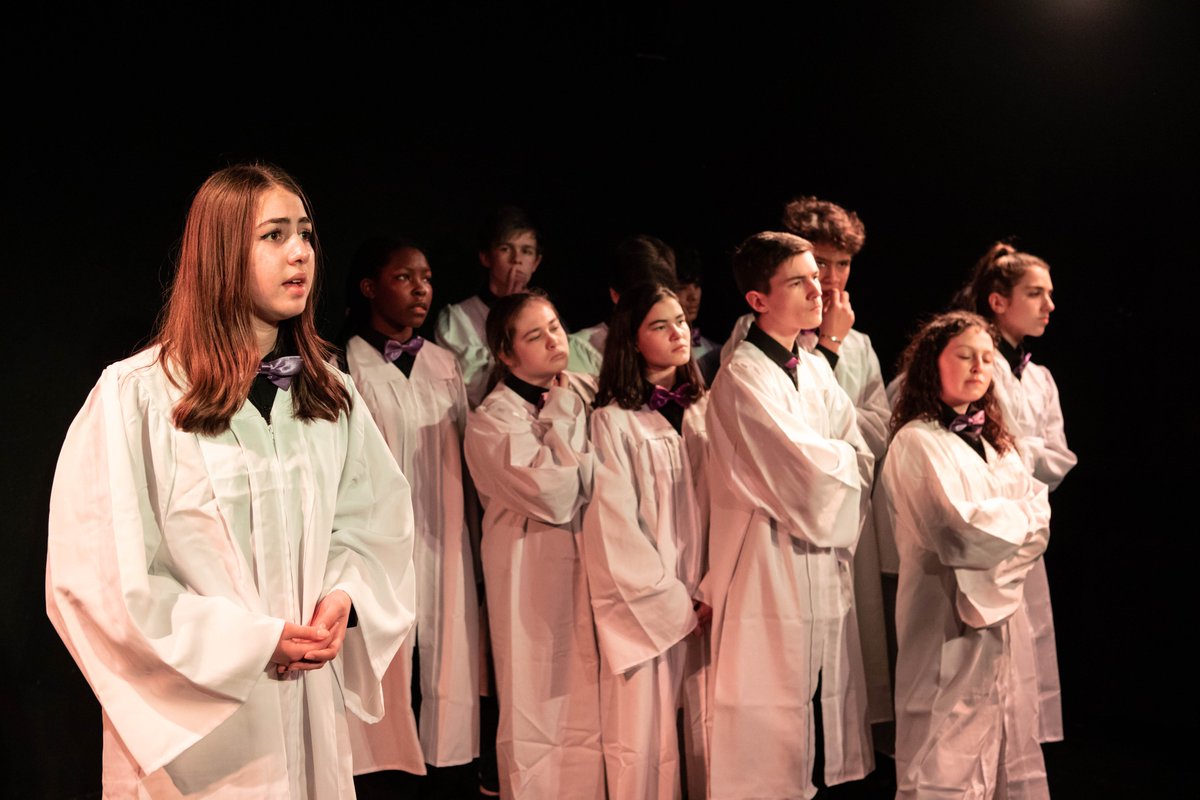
[[500, 328], [622, 374], [206, 327], [639, 259], [999, 270], [825, 222], [921, 388], [757, 259]]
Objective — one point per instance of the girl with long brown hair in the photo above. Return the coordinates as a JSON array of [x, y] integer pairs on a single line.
[[971, 524], [227, 528]]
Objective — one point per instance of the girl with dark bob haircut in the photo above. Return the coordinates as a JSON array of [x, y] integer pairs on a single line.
[[645, 546]]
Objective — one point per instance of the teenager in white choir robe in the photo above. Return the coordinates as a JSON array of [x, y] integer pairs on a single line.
[[231, 576], [1013, 289], [644, 547], [706, 352], [527, 449], [508, 250], [837, 236], [971, 524], [788, 475], [415, 393]]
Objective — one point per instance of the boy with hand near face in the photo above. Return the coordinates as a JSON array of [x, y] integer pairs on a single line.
[[508, 250], [789, 474]]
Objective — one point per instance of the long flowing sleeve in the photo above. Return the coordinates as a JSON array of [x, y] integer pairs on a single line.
[[780, 464], [370, 558], [991, 539], [456, 331], [862, 379], [1046, 453], [641, 606], [168, 665], [544, 471]]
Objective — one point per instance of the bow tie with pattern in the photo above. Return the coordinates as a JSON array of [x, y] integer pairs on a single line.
[[393, 349], [282, 370], [970, 425], [659, 397]]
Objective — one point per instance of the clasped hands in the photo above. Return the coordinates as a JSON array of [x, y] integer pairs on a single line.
[[308, 647]]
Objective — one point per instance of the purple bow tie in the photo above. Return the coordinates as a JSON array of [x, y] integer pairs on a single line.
[[660, 397], [792, 363], [393, 349], [695, 336], [970, 425], [282, 370], [1024, 362]]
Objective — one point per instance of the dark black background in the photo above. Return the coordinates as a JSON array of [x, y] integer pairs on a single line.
[[1066, 123]]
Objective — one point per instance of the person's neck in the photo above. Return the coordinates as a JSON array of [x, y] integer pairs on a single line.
[[960, 408], [544, 381], [1012, 339], [660, 376], [265, 335], [381, 325], [786, 337]]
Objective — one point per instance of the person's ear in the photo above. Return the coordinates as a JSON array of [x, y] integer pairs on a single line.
[[756, 300], [506, 359], [485, 258], [998, 303], [367, 287]]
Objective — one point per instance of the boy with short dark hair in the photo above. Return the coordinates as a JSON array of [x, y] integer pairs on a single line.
[[788, 469], [508, 250]]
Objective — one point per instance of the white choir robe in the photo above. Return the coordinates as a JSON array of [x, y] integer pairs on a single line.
[[461, 329], [533, 471], [788, 472], [644, 545], [422, 418], [587, 349], [969, 533], [174, 560], [859, 374], [1034, 416]]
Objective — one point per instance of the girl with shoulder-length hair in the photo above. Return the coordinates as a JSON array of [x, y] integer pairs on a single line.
[[1013, 290], [971, 524], [527, 450], [226, 532], [644, 537]]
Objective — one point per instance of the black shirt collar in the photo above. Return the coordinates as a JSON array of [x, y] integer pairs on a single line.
[[485, 294], [773, 349], [1012, 355], [529, 393], [947, 415], [379, 341]]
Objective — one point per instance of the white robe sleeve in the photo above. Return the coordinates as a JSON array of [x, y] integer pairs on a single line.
[[168, 666], [545, 472], [641, 608], [1047, 454], [785, 467], [454, 331], [870, 399], [370, 558], [991, 542]]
